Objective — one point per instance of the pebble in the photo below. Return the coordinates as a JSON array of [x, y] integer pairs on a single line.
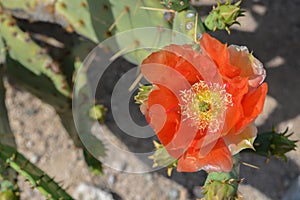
[[111, 180], [173, 193], [88, 192], [29, 144], [34, 159]]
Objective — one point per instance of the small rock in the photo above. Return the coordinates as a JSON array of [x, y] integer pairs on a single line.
[[173, 193], [30, 112], [111, 180], [29, 144], [148, 177], [88, 192], [34, 159]]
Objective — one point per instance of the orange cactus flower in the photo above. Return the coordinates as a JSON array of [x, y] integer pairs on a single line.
[[203, 103]]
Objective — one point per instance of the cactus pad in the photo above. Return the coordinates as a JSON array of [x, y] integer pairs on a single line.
[[23, 49], [130, 15]]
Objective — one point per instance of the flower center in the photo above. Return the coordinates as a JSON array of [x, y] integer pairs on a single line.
[[204, 104]]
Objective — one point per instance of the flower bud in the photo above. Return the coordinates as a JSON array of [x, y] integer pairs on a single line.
[[274, 144], [223, 16]]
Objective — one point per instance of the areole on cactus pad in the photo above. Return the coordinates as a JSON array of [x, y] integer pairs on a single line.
[[203, 103]]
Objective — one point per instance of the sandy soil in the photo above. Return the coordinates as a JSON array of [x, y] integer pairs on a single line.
[[271, 29]]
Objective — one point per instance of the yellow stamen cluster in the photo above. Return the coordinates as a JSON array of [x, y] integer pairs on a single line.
[[205, 105]]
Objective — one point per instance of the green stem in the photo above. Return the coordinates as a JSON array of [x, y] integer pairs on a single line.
[[35, 176]]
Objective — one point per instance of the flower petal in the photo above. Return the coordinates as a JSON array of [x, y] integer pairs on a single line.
[[164, 117], [249, 65], [217, 160], [243, 140], [165, 122], [237, 87], [219, 54], [253, 103], [176, 57]]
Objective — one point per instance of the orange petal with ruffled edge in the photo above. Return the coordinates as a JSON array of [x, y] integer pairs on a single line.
[[253, 104], [219, 54], [176, 57], [251, 67], [217, 160], [240, 141]]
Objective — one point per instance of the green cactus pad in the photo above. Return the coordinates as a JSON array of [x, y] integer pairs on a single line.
[[6, 134], [177, 5], [89, 18], [187, 22], [24, 50], [2, 52], [22, 4], [132, 14], [86, 17], [41, 86], [35, 176], [81, 108]]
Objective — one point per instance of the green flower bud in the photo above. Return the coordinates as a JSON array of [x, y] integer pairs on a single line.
[[98, 112], [223, 16], [223, 185], [274, 144], [161, 158], [143, 93]]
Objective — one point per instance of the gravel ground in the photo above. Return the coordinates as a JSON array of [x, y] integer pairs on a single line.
[[271, 29]]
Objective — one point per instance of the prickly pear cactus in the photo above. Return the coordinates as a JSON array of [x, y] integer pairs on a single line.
[[36, 177], [88, 18], [85, 17], [35, 59]]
